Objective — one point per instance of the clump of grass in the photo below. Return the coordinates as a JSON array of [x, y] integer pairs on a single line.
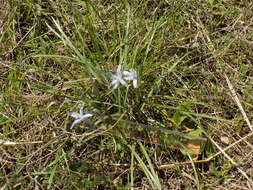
[[55, 57]]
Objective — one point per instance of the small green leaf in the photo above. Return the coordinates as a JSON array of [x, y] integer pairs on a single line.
[[196, 132], [177, 119]]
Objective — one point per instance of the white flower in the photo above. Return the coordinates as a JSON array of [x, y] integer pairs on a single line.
[[81, 116], [121, 77], [117, 79], [132, 75]]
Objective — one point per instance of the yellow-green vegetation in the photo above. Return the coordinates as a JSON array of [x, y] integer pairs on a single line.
[[101, 94]]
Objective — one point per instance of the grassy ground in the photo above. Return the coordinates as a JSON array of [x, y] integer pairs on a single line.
[[195, 76]]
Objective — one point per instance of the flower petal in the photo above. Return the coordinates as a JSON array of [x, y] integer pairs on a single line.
[[75, 122], [123, 82], [126, 73], [130, 77], [135, 83], [86, 116]]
